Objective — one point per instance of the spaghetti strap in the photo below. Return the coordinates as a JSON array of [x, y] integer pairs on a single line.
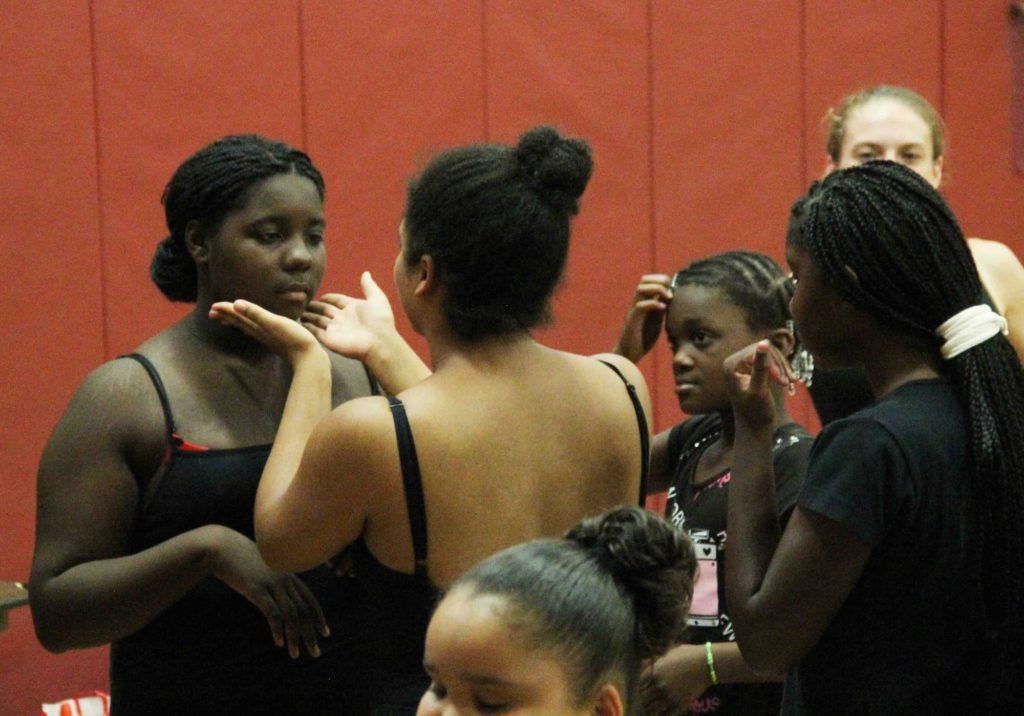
[[645, 438], [413, 484], [165, 403]]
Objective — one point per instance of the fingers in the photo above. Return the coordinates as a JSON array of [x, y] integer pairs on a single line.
[[370, 288]]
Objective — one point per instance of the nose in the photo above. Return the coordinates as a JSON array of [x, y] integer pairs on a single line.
[[298, 255], [681, 358]]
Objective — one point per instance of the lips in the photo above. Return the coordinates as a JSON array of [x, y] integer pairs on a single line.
[[295, 292]]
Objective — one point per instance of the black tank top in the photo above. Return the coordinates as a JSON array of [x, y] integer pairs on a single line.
[[404, 602], [212, 650]]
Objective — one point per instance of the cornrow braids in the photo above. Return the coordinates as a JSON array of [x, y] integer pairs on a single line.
[[752, 282], [887, 241], [208, 186]]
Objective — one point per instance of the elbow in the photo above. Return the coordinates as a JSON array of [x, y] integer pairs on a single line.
[[278, 550], [50, 632]]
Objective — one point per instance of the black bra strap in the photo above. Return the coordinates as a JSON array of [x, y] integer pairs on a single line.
[[413, 484], [374, 385], [160, 391], [645, 438]]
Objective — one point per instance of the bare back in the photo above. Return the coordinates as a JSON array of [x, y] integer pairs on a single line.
[[510, 453]]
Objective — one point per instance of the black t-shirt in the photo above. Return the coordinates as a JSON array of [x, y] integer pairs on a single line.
[[701, 510], [907, 639]]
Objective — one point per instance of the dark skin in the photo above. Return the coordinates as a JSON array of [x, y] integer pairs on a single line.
[[703, 328], [226, 391], [786, 587]]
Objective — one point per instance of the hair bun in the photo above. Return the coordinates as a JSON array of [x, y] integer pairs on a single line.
[[557, 167], [174, 271], [650, 559]]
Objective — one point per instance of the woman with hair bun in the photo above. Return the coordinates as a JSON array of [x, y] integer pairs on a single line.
[[561, 626], [147, 485], [513, 440]]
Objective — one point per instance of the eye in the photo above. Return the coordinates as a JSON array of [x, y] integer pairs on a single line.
[[701, 338], [865, 155], [316, 238], [491, 707], [269, 236]]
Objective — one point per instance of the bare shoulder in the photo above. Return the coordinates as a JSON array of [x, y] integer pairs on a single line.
[[627, 367], [357, 433], [996, 263]]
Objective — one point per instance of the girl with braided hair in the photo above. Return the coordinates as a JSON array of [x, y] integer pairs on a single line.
[[896, 587], [506, 441], [898, 124], [561, 626], [147, 485], [710, 309]]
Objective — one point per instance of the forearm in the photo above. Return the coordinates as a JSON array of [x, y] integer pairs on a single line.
[[105, 600], [753, 525], [732, 668], [395, 364]]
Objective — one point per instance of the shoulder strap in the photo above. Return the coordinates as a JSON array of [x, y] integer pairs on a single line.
[[645, 439], [413, 484], [160, 391], [374, 385]]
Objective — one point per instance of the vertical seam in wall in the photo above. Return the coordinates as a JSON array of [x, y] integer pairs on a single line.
[[303, 88], [104, 332], [805, 169], [652, 203], [942, 58], [484, 70]]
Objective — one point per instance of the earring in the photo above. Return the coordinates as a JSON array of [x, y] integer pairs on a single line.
[[801, 362]]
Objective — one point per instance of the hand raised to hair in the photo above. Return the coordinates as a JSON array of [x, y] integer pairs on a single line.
[[292, 611], [352, 327], [749, 373], [646, 317], [675, 680], [282, 335]]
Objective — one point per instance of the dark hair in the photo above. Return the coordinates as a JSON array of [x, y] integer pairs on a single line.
[[208, 186], [495, 219], [611, 594], [836, 119], [911, 267]]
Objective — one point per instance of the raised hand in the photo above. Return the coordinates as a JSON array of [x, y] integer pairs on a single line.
[[293, 613], [352, 327], [282, 335], [749, 373], [646, 316]]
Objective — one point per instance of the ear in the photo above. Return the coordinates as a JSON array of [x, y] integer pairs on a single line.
[[196, 242], [426, 279], [783, 339], [937, 173], [609, 703]]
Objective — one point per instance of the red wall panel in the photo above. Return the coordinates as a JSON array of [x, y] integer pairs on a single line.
[[727, 142], [378, 105], [980, 180], [52, 331]]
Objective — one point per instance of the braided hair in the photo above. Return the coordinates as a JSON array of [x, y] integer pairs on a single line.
[[209, 185], [887, 241], [754, 283], [613, 593], [495, 219]]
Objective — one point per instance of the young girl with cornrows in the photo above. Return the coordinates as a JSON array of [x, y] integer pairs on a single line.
[[506, 441], [711, 309], [147, 485], [560, 627], [896, 586], [898, 124]]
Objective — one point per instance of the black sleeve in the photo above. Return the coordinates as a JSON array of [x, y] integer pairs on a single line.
[[790, 464]]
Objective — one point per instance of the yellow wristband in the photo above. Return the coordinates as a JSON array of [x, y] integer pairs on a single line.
[[711, 663]]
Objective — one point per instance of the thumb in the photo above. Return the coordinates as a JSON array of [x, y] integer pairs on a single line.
[[370, 288], [759, 369]]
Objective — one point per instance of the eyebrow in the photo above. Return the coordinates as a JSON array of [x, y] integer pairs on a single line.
[[479, 679]]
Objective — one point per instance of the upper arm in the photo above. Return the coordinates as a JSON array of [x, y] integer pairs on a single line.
[[87, 493], [636, 378], [815, 567], [327, 503], [1002, 274], [662, 466]]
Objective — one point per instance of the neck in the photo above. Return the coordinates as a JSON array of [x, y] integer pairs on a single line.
[[905, 357], [224, 339], [446, 350]]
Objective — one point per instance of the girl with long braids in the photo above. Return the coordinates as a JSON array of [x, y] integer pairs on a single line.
[[507, 440], [147, 485], [711, 309], [896, 123], [896, 587], [560, 627]]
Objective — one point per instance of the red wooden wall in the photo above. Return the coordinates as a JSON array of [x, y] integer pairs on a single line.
[[704, 118]]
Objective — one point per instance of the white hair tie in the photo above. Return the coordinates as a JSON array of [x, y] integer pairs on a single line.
[[968, 328]]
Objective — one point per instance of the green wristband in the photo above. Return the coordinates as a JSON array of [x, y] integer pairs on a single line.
[[711, 663]]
